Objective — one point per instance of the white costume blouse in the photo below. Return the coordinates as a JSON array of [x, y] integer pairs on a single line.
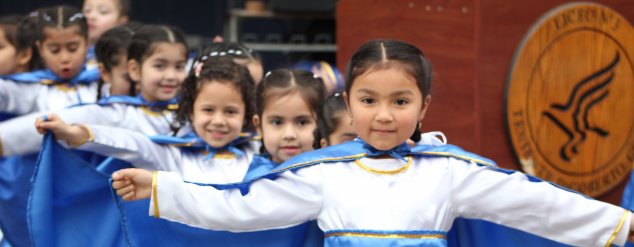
[[388, 202], [23, 98], [18, 136], [138, 149]]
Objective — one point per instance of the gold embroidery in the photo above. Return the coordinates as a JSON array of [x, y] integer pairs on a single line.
[[150, 112], [387, 172], [155, 193], [65, 87], [618, 228], [172, 107], [379, 235], [1, 149], [458, 156], [225, 155]]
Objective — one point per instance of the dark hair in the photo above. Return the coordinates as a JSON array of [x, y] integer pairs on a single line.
[[219, 70], [19, 31], [379, 54], [125, 7], [233, 50], [61, 16], [328, 118], [282, 82], [145, 38], [108, 49]]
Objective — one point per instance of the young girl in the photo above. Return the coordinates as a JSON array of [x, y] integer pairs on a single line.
[[103, 15], [287, 102], [376, 190], [61, 42], [157, 56], [215, 103], [112, 56], [333, 123], [15, 45]]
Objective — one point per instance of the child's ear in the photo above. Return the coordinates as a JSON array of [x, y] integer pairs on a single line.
[[423, 110], [38, 45], [24, 57], [345, 99], [257, 124], [134, 70], [323, 143], [105, 75], [123, 19]]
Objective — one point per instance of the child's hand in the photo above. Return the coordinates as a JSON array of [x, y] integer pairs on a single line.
[[132, 184], [74, 135]]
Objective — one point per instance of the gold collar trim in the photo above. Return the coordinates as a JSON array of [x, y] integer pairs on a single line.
[[386, 172]]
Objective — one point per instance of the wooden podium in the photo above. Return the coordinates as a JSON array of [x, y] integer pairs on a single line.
[[471, 46]]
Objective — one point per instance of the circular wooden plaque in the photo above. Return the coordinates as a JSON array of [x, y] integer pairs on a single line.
[[570, 98]]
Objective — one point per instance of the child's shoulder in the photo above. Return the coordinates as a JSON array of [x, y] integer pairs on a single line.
[[356, 149]]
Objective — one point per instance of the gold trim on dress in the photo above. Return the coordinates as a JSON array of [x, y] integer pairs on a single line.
[[150, 112], [155, 193], [386, 172], [65, 87], [618, 228], [1, 149], [385, 235], [225, 155], [91, 137], [458, 156]]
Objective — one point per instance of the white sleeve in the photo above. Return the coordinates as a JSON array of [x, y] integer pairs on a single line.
[[293, 198], [536, 207], [18, 135], [18, 98], [133, 147]]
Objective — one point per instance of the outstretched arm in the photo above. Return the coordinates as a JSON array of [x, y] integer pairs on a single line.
[[292, 198]]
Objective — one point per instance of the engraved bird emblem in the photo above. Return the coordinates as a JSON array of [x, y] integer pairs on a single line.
[[572, 117]]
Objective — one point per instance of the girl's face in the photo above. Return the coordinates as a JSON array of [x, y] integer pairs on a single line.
[[385, 106], [11, 61], [343, 133], [102, 15], [63, 50], [160, 74], [287, 127], [117, 77], [218, 113]]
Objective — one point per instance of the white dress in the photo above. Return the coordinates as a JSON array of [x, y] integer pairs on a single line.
[[392, 201]]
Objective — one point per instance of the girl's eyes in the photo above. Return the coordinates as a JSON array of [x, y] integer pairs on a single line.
[[368, 101], [276, 122], [159, 66], [303, 122], [401, 102]]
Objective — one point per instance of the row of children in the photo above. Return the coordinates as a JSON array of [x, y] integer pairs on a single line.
[[377, 190]]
